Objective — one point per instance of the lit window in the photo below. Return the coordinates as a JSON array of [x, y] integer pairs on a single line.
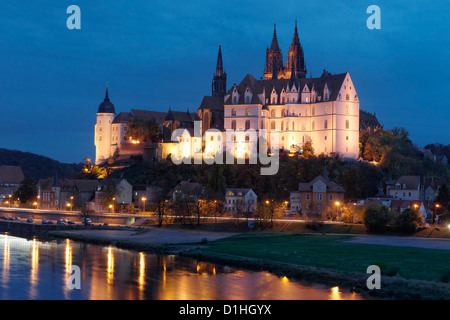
[[247, 112], [233, 112]]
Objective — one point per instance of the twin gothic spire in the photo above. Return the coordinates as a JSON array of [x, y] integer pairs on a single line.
[[295, 58]]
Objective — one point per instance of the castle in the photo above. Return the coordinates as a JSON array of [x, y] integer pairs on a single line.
[[323, 111]]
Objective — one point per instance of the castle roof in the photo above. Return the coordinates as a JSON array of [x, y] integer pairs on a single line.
[[106, 106], [334, 83]]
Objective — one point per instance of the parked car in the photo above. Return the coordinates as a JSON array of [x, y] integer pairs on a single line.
[[30, 220], [71, 222], [60, 221], [86, 221], [44, 221], [16, 218], [50, 222]]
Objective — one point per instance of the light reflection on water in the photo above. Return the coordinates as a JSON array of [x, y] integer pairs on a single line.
[[33, 269]]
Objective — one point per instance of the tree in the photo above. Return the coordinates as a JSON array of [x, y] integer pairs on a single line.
[[443, 197], [408, 221], [308, 150], [27, 190], [141, 130], [376, 218]]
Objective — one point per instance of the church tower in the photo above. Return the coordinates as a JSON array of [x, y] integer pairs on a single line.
[[296, 56], [105, 116], [219, 83], [274, 58]]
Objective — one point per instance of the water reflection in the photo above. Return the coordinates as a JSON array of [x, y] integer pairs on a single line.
[[39, 270]]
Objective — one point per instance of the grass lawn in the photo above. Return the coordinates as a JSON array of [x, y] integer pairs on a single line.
[[332, 253]]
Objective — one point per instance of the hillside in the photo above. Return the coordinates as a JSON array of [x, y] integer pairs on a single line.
[[37, 166]]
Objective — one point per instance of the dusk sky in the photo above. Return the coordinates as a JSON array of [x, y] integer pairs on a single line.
[[157, 54]]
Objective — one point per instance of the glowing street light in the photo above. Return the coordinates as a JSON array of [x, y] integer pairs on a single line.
[[144, 199]]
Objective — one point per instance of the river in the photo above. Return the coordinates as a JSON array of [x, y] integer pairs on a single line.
[[39, 269]]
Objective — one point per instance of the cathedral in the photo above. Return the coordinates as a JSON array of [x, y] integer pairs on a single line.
[[323, 111]]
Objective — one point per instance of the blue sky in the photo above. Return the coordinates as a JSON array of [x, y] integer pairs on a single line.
[[157, 54]]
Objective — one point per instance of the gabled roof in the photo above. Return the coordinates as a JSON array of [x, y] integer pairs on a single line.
[[331, 186], [123, 117], [411, 182], [11, 174], [236, 191], [212, 103], [147, 115], [333, 81]]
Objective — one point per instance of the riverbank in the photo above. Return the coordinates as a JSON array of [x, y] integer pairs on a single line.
[[407, 272]]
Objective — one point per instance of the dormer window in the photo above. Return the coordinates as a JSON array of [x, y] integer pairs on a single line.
[[234, 99], [247, 99]]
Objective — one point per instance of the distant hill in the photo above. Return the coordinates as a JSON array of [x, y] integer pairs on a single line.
[[37, 166]]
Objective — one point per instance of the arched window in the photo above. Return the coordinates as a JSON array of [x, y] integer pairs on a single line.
[[247, 111], [326, 110], [303, 127], [347, 124], [247, 137], [287, 125], [272, 125], [282, 125], [347, 109], [313, 125], [233, 112], [233, 125], [283, 113], [347, 97], [313, 111], [293, 125], [272, 113], [325, 124], [212, 138], [247, 124]]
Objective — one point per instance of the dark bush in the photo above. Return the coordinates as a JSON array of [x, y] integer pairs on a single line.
[[376, 218], [408, 221], [313, 225]]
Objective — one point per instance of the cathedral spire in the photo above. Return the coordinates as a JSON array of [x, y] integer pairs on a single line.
[[219, 66], [219, 83], [274, 46]]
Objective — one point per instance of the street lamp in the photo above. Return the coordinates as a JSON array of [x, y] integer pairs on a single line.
[[436, 206], [113, 204], [143, 199], [337, 203], [9, 200]]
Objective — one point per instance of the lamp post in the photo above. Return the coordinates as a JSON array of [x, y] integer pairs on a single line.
[[143, 199], [113, 205], [337, 203], [436, 206]]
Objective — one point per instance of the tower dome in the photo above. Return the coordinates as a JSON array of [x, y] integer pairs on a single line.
[[106, 106]]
